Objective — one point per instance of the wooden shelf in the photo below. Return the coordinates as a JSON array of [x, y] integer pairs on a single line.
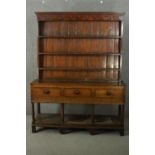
[[79, 54], [48, 119], [84, 81], [54, 120], [76, 69], [80, 37]]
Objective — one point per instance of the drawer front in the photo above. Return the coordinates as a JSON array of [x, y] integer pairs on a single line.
[[45, 93], [109, 92], [75, 92]]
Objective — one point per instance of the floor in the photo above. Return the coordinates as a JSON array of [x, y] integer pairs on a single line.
[[51, 142]]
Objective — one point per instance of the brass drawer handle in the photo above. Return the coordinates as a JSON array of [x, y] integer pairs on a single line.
[[109, 93], [77, 92], [46, 91]]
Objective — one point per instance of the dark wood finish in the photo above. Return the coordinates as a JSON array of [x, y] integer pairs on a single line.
[[62, 113], [38, 108], [33, 113], [33, 118], [79, 61], [122, 120]]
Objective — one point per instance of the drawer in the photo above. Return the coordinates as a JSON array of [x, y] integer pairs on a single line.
[[73, 92], [45, 93], [109, 92]]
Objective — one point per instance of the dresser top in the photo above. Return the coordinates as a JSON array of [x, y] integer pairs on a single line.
[[90, 13], [49, 83], [47, 16]]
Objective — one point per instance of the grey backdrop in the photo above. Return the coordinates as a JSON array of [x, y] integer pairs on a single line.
[[71, 5]]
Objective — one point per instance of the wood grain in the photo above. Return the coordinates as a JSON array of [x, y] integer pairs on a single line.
[[79, 62]]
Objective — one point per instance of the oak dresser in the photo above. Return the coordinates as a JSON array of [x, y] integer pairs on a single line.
[[79, 62]]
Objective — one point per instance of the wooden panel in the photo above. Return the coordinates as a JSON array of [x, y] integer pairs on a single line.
[[64, 75], [79, 45], [53, 74], [103, 61], [72, 29], [111, 75], [85, 76], [64, 61]]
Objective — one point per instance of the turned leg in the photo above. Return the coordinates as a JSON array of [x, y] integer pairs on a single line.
[[62, 113], [119, 110], [92, 131], [121, 114], [61, 130], [33, 118], [38, 108]]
